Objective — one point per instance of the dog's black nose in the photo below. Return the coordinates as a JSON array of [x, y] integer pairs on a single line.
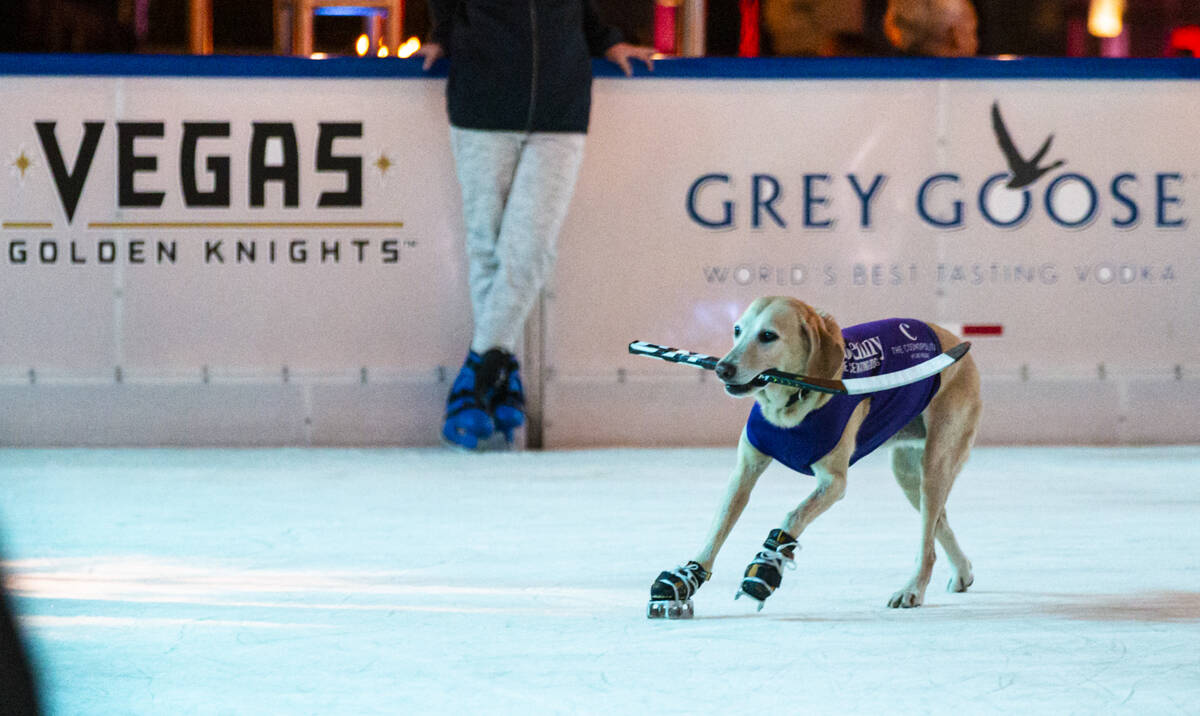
[[725, 371]]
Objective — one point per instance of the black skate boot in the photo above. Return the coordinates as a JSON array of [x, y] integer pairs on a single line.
[[507, 399], [763, 575], [671, 594]]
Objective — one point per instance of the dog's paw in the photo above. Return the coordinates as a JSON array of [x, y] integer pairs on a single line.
[[906, 598], [960, 582]]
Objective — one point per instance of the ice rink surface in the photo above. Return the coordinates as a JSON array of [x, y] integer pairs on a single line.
[[432, 582]]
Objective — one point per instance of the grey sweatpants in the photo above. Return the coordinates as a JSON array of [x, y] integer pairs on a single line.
[[516, 188]]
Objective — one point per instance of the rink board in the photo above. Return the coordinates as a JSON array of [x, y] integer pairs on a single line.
[[268, 251]]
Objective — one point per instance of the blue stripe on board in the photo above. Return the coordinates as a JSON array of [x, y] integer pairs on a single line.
[[774, 68], [920, 68]]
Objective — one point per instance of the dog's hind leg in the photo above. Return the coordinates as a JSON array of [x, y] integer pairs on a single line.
[[906, 466], [951, 421]]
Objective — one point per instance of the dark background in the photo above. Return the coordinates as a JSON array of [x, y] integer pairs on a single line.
[[1020, 27]]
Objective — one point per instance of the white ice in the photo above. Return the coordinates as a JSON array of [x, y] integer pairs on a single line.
[[432, 582]]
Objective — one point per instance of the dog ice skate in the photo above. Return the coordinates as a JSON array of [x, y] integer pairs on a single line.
[[671, 594], [763, 574]]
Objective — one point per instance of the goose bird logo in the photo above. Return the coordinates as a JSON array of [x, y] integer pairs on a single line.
[[1023, 172]]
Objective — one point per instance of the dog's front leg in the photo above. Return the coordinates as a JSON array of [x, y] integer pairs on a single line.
[[671, 593], [750, 466], [830, 472], [831, 487], [764, 574]]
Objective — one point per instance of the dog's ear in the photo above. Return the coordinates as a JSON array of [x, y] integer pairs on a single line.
[[827, 349]]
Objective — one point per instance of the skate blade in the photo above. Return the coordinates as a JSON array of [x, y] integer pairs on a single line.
[[748, 594], [667, 609]]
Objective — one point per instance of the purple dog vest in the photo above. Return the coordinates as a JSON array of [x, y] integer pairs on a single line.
[[875, 348]]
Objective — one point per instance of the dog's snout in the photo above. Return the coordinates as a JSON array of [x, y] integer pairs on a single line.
[[726, 371]]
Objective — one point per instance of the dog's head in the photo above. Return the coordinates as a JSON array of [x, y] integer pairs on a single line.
[[785, 334]]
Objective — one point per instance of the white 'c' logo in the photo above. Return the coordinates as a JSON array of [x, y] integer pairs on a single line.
[[904, 330]]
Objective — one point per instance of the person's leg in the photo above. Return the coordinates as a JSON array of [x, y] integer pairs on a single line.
[[485, 163], [526, 247], [533, 216]]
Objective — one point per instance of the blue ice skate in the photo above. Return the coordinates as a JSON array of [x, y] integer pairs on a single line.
[[508, 397], [467, 419]]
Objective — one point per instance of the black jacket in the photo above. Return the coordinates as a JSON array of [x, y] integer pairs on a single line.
[[520, 65]]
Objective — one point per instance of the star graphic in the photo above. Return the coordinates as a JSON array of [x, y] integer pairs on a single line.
[[21, 164], [384, 163]]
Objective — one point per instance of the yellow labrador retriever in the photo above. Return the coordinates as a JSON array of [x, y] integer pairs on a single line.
[[931, 423]]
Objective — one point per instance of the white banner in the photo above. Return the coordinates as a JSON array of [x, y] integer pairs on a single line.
[[877, 198], [165, 225]]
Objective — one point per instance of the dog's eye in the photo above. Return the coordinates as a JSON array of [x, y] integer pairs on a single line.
[[768, 336], [737, 331]]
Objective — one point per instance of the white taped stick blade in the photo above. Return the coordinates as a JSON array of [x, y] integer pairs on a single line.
[[669, 609]]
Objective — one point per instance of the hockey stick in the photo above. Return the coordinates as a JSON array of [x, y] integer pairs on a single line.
[[849, 386]]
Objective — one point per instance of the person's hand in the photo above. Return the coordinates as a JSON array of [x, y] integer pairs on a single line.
[[620, 54], [431, 51]]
